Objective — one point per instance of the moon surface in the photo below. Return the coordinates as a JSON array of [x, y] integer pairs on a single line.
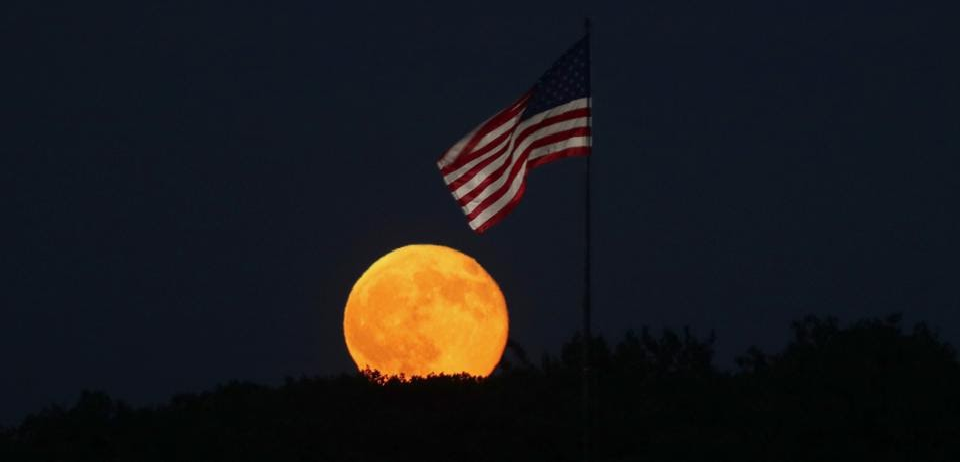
[[426, 309]]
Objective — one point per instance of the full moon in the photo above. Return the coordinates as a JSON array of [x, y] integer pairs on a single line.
[[425, 309]]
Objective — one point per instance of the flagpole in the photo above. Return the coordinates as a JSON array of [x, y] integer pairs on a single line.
[[585, 359]]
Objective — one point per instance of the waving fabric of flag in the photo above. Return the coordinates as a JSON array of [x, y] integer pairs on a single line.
[[486, 170]]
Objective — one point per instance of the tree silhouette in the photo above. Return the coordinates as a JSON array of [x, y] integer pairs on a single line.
[[866, 391]]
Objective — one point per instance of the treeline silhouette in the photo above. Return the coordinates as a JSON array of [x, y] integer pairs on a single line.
[[871, 390]]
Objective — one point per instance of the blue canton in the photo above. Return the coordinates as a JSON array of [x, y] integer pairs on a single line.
[[567, 80]]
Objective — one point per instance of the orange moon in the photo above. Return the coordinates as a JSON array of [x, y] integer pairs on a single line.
[[425, 309]]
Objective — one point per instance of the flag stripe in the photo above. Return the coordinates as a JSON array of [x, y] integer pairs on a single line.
[[498, 215], [492, 214], [486, 170], [524, 141], [496, 190], [490, 142], [471, 190], [551, 118], [574, 108], [486, 186], [491, 210], [454, 158], [481, 200], [576, 147], [480, 227], [453, 167], [454, 153], [456, 178]]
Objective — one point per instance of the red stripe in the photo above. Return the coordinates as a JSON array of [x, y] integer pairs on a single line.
[[562, 154], [505, 210], [569, 115], [547, 140], [564, 116], [455, 184], [483, 184], [494, 176], [467, 154], [569, 152]]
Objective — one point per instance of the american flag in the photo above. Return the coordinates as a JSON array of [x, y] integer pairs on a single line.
[[486, 170]]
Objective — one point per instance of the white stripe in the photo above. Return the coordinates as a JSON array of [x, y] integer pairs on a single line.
[[553, 129], [500, 203], [489, 190], [537, 135], [493, 134], [452, 176], [578, 142], [464, 189], [556, 110], [513, 152], [496, 206], [456, 150]]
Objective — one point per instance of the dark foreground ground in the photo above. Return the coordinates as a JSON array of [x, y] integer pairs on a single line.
[[868, 391]]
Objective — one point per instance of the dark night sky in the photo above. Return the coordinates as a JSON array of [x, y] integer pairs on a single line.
[[188, 192]]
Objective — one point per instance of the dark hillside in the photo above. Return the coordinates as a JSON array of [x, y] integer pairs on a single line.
[[867, 391]]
